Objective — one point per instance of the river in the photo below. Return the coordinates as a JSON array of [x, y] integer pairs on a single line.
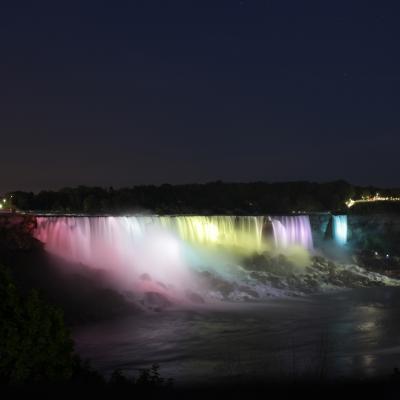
[[350, 334]]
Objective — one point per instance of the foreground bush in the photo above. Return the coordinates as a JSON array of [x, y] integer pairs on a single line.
[[35, 345]]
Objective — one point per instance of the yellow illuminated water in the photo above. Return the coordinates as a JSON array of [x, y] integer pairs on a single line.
[[242, 233]]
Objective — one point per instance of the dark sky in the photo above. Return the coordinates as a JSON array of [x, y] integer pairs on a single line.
[[130, 92]]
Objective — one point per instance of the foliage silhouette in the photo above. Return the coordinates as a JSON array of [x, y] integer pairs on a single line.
[[35, 345]]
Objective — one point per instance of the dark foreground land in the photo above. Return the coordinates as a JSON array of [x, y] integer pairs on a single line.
[[386, 390]]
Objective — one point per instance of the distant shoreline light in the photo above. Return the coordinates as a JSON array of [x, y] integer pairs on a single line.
[[370, 199]]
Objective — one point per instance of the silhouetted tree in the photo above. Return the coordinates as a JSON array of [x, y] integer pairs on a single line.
[[35, 345]]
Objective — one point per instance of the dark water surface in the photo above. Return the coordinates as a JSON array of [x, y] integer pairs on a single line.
[[348, 334]]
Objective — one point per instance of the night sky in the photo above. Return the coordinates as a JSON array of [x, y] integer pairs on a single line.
[[147, 92]]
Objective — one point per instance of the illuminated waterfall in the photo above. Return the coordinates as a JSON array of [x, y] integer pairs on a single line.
[[81, 237], [157, 253], [81, 234], [240, 232], [339, 228], [291, 231]]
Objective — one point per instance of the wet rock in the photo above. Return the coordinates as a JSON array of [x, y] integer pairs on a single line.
[[217, 284], [155, 299], [162, 285], [249, 291], [278, 265], [260, 277], [194, 297]]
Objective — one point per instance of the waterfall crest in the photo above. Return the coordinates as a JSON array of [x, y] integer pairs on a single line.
[[80, 237]]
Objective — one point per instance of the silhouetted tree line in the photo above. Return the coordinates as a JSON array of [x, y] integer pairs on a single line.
[[210, 198]]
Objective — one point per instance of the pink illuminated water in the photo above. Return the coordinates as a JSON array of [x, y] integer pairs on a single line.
[[161, 254]]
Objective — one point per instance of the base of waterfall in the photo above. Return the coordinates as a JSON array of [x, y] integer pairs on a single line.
[[258, 279], [263, 277], [278, 276]]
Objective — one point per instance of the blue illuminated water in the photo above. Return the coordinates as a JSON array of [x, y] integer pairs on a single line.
[[340, 229]]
